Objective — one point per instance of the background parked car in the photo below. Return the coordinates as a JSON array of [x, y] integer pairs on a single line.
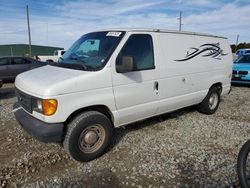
[[242, 52], [241, 70], [10, 67]]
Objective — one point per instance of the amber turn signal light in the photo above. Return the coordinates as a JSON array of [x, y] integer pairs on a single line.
[[49, 106]]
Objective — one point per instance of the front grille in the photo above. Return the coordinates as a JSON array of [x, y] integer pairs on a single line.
[[24, 100], [243, 72]]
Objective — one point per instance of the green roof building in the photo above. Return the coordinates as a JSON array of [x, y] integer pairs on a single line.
[[23, 50]]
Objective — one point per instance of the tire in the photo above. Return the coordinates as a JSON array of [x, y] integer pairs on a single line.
[[87, 136], [241, 165], [205, 106]]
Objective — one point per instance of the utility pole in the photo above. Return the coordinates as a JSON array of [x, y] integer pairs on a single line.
[[236, 44], [28, 22], [47, 36], [180, 18], [11, 51]]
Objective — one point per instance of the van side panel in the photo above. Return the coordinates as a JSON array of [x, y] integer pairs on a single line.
[[188, 69], [220, 66]]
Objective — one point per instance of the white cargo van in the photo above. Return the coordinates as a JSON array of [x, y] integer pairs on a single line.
[[113, 78]]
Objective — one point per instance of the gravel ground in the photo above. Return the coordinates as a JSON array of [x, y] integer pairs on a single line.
[[180, 149]]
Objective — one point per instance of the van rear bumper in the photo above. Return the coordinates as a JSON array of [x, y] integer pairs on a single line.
[[44, 132]]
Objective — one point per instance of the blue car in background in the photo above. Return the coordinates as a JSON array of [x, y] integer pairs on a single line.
[[241, 70], [241, 52]]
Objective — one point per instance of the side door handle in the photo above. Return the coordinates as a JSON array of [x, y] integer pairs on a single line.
[[156, 87]]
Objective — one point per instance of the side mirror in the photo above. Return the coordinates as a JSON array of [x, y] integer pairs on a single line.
[[125, 64]]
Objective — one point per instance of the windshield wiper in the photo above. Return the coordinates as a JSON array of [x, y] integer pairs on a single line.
[[78, 59]]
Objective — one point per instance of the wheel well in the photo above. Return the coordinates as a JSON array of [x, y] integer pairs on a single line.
[[217, 85], [99, 108]]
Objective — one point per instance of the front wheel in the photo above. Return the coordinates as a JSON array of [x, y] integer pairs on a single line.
[[88, 136], [243, 165], [211, 102]]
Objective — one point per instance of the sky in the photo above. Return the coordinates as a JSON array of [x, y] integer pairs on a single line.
[[61, 22]]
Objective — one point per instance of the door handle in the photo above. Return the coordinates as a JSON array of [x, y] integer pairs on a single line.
[[156, 87]]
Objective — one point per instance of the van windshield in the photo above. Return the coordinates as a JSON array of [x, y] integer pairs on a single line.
[[92, 51]]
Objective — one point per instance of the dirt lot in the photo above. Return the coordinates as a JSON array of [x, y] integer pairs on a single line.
[[180, 149]]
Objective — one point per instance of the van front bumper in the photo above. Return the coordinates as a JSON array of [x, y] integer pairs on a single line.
[[44, 132]]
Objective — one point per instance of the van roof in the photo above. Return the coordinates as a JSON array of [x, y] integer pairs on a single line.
[[164, 31]]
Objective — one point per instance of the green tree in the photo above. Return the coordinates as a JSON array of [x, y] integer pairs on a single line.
[[240, 46]]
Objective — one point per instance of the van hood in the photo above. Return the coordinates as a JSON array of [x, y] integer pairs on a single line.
[[52, 80]]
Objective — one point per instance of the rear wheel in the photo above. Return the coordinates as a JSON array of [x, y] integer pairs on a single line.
[[211, 102], [88, 136]]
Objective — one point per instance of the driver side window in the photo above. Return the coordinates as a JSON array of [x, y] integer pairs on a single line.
[[139, 48], [19, 61], [4, 61]]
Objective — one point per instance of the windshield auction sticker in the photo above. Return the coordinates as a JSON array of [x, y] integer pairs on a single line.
[[114, 34]]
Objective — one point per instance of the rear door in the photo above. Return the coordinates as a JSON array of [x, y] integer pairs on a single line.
[[4, 74], [18, 65], [136, 91]]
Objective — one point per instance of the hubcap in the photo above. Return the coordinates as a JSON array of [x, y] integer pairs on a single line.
[[213, 101], [91, 138]]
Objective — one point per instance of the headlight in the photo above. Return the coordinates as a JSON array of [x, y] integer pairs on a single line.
[[47, 107], [39, 105]]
